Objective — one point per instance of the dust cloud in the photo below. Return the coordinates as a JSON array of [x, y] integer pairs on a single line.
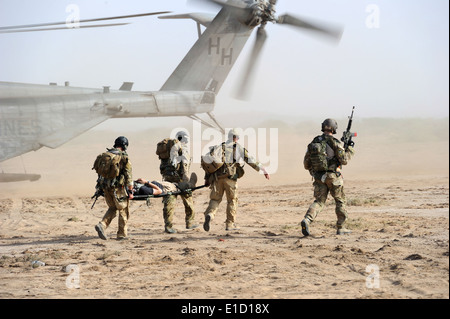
[[385, 147]]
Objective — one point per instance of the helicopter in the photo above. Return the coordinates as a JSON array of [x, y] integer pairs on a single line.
[[34, 115]]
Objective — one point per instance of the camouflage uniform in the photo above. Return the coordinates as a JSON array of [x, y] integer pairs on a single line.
[[330, 181], [116, 195], [225, 181], [179, 155]]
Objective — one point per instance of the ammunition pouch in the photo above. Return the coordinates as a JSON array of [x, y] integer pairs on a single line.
[[115, 182], [168, 172], [236, 172], [320, 175]]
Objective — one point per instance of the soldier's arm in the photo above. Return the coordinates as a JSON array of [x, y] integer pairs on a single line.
[[207, 179], [174, 153], [349, 152], [307, 161], [253, 163], [128, 173], [343, 155], [250, 160], [185, 157]]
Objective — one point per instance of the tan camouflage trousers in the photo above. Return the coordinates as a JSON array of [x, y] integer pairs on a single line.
[[169, 209], [218, 188], [118, 204], [333, 184]]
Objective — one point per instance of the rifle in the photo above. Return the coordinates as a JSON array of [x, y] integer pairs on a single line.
[[347, 135], [98, 192], [185, 191]]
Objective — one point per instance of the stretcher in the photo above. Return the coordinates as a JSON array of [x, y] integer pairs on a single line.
[[179, 192], [99, 192]]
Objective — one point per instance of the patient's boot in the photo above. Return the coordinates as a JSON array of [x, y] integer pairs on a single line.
[[193, 180], [184, 185]]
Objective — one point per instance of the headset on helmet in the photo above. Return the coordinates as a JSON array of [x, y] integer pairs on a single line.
[[121, 142], [329, 124]]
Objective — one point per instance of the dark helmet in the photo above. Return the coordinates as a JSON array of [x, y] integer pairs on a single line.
[[329, 124], [121, 142]]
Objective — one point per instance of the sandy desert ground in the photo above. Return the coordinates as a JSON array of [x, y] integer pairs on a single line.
[[398, 204]]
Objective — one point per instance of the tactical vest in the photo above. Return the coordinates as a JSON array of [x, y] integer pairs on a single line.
[[216, 162]]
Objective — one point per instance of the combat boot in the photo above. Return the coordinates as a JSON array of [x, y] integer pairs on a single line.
[[191, 226], [207, 222], [231, 227], [305, 227], [100, 231], [170, 230], [343, 231]]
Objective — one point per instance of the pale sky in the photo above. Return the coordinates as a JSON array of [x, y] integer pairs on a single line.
[[392, 61]]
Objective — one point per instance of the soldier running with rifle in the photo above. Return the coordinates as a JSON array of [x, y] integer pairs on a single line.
[[324, 159]]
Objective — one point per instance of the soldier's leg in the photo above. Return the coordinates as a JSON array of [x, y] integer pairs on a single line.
[[168, 211], [124, 215], [215, 197], [231, 189], [184, 172], [320, 195], [337, 191], [111, 213], [188, 202]]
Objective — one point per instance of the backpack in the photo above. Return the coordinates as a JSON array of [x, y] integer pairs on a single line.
[[107, 165], [163, 148], [318, 154], [214, 159]]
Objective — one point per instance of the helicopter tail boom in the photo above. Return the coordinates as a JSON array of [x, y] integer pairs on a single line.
[[208, 63]]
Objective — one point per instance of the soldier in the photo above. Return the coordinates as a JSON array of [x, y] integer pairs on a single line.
[[115, 191], [224, 180], [324, 157], [175, 169]]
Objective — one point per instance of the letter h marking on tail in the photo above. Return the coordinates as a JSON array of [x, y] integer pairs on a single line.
[[216, 47]]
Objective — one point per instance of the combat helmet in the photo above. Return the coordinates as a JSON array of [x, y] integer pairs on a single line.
[[182, 136], [330, 124], [234, 132], [121, 142]]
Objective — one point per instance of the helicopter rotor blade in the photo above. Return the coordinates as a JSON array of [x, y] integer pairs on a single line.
[[38, 25], [332, 32], [234, 4], [65, 28], [247, 79]]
